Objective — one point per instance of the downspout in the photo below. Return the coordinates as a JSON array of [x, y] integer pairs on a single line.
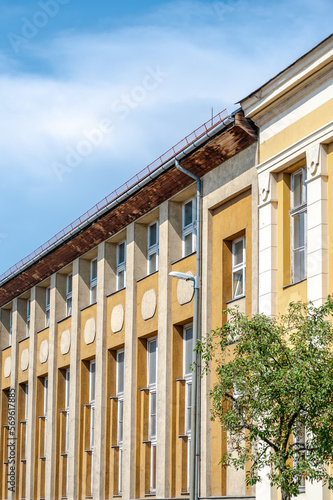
[[195, 413]]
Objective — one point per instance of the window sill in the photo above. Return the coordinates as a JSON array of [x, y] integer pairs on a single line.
[[292, 284], [235, 299], [147, 276]]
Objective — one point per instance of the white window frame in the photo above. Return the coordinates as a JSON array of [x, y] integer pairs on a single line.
[[28, 318], [47, 306], [294, 211], [238, 267], [10, 327], [189, 228], [69, 293], [152, 249], [152, 388], [93, 281], [121, 266], [188, 398], [120, 415]]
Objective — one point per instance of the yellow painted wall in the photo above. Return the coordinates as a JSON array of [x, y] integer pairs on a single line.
[[63, 360], [88, 350], [297, 131], [150, 325], [115, 340], [5, 382], [182, 314], [41, 368], [22, 375], [230, 220]]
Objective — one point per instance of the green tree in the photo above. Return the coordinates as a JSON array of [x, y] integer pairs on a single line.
[[274, 384]]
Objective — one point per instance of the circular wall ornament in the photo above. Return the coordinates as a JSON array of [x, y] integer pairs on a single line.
[[117, 318], [44, 351], [7, 367], [90, 331], [65, 342], [24, 360], [185, 290], [148, 304]]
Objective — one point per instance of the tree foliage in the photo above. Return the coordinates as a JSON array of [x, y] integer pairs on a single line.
[[274, 382]]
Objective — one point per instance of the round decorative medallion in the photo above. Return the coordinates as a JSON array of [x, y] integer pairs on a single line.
[[185, 290], [65, 342], [148, 304], [89, 331], [44, 351], [7, 367], [117, 318], [24, 360]]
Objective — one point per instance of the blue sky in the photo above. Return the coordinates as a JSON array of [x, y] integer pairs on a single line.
[[131, 77]]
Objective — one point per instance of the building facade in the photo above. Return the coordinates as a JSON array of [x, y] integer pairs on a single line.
[[96, 337]]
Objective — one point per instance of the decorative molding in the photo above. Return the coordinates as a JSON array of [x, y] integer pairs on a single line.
[[44, 351], [117, 318], [65, 342], [7, 369], [264, 188], [90, 331], [148, 304], [313, 160], [185, 290], [25, 360]]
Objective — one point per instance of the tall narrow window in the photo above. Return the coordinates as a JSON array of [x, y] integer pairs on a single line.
[[10, 327], [24, 423], [152, 248], [187, 374], [298, 225], [238, 267], [299, 439], [120, 426], [69, 295], [93, 281], [47, 306], [189, 227], [151, 383], [66, 414], [45, 413], [121, 265], [92, 378], [28, 318]]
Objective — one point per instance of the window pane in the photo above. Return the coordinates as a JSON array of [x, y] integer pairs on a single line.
[[299, 230], [188, 337], [120, 372], [93, 270], [121, 280], [92, 427], [152, 263], [92, 382], [152, 362], [120, 420], [69, 284], [238, 283], [299, 264], [69, 306], [152, 235], [93, 295], [188, 244], [188, 397], [121, 253], [152, 412], [153, 468], [298, 189], [188, 213], [47, 297], [238, 252]]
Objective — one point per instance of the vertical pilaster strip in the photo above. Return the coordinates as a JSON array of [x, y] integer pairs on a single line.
[[99, 467], [205, 471], [164, 358], [30, 430], [267, 278], [74, 385], [317, 225], [13, 382], [317, 251], [52, 383], [267, 245], [130, 368]]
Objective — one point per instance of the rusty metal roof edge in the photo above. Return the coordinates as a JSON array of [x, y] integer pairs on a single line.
[[141, 183]]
